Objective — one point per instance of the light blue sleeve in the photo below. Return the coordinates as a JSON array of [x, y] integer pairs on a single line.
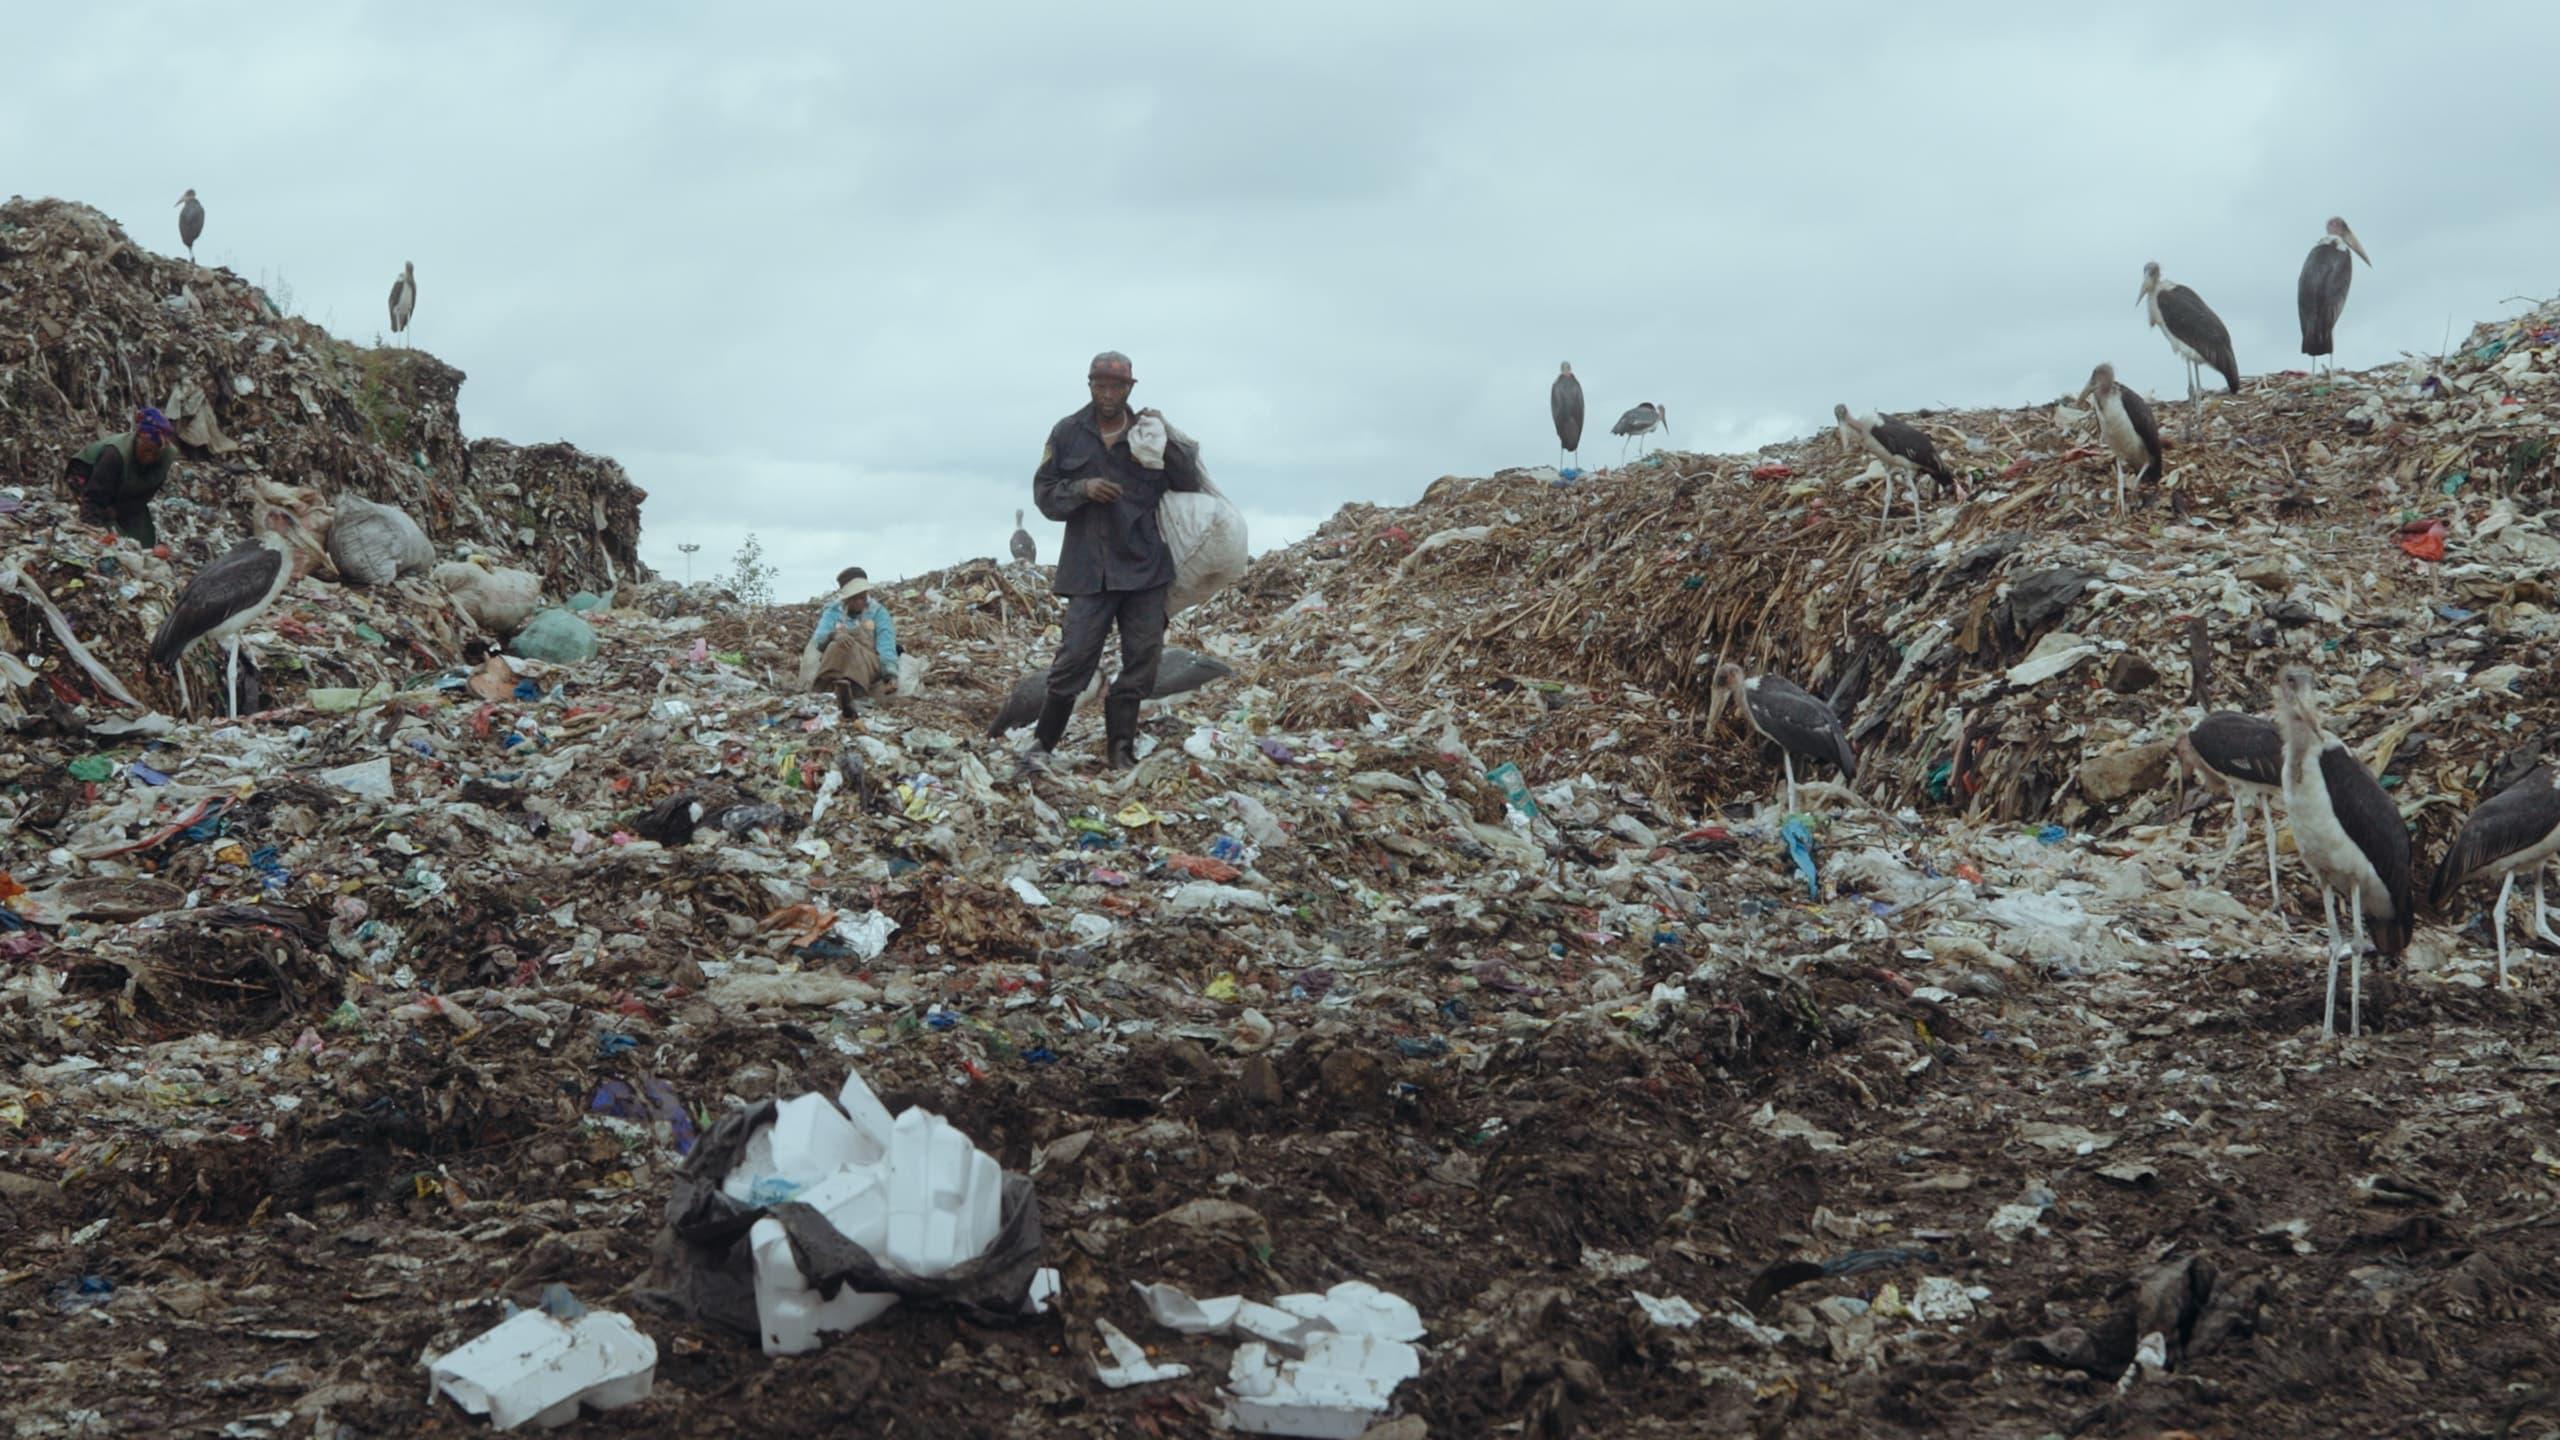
[[828, 620], [885, 630]]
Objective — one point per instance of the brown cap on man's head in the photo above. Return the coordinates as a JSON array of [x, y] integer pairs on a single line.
[[1110, 365]]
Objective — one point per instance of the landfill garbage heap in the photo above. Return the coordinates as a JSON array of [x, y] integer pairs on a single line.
[[1436, 956], [98, 326]]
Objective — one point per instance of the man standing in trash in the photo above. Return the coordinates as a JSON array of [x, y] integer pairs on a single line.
[[117, 477], [856, 642], [1114, 568]]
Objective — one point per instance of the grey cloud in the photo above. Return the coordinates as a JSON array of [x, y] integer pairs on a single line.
[[828, 273]]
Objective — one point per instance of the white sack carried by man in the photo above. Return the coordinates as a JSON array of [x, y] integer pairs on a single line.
[[1205, 531]]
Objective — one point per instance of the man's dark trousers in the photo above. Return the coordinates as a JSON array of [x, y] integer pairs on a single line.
[[1140, 615]]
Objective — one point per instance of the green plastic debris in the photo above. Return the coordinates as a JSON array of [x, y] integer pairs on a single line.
[[345, 1020], [2454, 481], [339, 700], [1506, 777], [585, 600], [369, 635], [93, 767], [555, 636]]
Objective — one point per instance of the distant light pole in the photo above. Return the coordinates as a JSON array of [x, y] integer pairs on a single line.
[[688, 548]]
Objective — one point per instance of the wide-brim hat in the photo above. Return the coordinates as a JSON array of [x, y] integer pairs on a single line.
[[858, 585]]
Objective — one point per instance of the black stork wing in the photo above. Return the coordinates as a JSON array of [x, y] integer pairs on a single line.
[[1184, 671], [1635, 422], [2517, 818], [2146, 427], [2193, 321], [1180, 672], [2321, 294], [2373, 824], [1021, 705], [233, 583], [2244, 747], [1912, 444], [1564, 402], [1025, 549], [1798, 720]]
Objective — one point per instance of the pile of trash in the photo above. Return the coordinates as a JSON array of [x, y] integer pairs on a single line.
[[101, 326], [2392, 527], [1433, 960]]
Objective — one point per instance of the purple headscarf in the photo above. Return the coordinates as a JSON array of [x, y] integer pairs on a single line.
[[149, 421]]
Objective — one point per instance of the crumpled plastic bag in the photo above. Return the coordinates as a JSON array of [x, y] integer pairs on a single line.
[[706, 1266], [1147, 436], [375, 544], [1205, 532], [560, 637], [2423, 539]]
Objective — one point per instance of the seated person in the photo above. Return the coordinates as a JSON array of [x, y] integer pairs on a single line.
[[856, 643]]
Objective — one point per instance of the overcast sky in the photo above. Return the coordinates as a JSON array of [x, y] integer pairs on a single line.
[[829, 272]]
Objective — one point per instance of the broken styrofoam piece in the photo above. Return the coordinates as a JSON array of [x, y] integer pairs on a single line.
[[946, 1197], [1673, 1313], [1336, 1392], [813, 1140], [1130, 1365], [869, 1116], [755, 1179], [1272, 1325], [855, 1200], [1175, 1310], [789, 1311], [2045, 667], [531, 1366], [365, 779], [1356, 1307], [1045, 1287]]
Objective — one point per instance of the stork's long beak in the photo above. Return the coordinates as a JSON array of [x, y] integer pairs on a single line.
[[2357, 246]]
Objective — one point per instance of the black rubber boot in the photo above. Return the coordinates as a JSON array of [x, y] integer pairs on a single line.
[[1120, 723], [1054, 714]]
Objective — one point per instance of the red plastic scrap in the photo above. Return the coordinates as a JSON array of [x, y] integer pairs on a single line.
[[2423, 539], [1772, 470], [1201, 867]]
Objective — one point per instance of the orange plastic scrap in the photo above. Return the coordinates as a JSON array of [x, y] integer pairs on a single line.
[[1201, 867], [804, 921], [2423, 539]]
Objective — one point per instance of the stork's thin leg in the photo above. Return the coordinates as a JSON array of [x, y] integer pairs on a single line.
[[2498, 924], [186, 705], [233, 672], [2329, 1016], [2231, 847], [2119, 487], [2267, 821], [1789, 761], [2355, 966], [2541, 911]]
